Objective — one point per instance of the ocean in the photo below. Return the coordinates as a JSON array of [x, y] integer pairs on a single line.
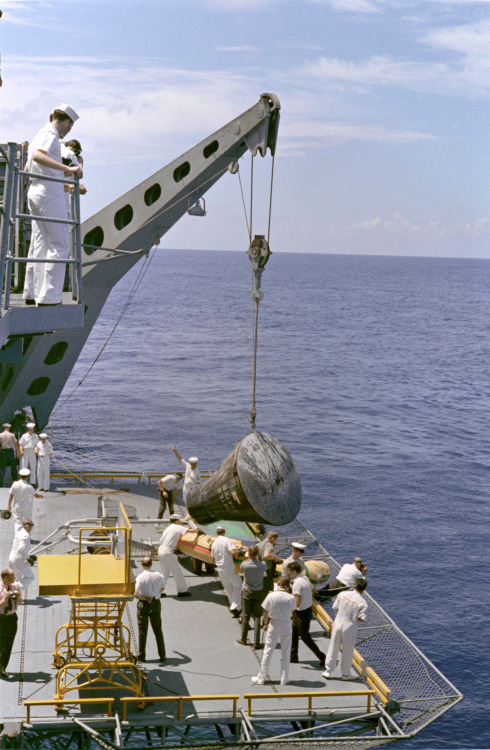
[[374, 373]]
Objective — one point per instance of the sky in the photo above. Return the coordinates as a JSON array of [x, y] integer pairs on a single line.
[[384, 134]]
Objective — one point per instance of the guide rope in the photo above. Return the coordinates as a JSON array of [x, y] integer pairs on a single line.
[[142, 273]]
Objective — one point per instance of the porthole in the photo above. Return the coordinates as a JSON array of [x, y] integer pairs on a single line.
[[56, 353], [123, 216], [7, 378], [182, 171], [210, 149], [152, 194], [38, 386], [95, 239]]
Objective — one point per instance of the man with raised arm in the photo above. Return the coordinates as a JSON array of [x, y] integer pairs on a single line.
[[192, 474]]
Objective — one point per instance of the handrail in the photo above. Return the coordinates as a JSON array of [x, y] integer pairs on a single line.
[[371, 677], [179, 698], [68, 701], [249, 697]]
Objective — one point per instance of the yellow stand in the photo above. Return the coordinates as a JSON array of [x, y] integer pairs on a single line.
[[93, 650]]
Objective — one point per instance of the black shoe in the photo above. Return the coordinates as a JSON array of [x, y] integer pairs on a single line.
[[235, 613], [48, 304], [258, 646], [293, 661], [244, 643], [162, 661], [141, 658], [185, 593], [162, 596], [322, 661], [30, 301]]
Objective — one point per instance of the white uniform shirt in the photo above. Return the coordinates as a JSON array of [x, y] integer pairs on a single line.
[[149, 583], [221, 550], [349, 574], [22, 491], [170, 483], [280, 605], [351, 606], [21, 545], [44, 449], [170, 537], [28, 442], [192, 476], [47, 139], [304, 589]]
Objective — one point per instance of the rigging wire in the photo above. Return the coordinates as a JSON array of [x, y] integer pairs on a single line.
[[131, 295]]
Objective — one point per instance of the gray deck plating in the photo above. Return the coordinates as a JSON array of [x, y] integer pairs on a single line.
[[203, 656]]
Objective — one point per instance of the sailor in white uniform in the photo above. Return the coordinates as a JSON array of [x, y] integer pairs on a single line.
[[43, 451], [169, 564], [27, 445], [49, 240], [192, 473], [278, 607], [351, 609], [224, 550], [19, 555], [20, 499]]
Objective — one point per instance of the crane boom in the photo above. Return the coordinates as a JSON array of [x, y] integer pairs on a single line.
[[123, 232]]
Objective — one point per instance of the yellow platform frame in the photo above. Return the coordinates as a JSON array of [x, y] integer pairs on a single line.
[[93, 650]]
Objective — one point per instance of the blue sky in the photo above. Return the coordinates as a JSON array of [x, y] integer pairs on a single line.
[[383, 142]]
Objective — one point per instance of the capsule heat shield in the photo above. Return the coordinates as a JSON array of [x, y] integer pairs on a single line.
[[257, 482]]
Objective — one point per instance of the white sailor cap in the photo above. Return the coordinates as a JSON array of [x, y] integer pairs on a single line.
[[174, 517], [43, 435], [24, 472], [299, 546], [220, 528], [6, 424], [68, 111], [193, 460], [30, 425]]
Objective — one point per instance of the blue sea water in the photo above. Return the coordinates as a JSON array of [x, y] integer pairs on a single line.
[[374, 373]]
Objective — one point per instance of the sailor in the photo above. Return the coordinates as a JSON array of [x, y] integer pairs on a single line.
[[192, 473], [49, 240], [296, 556], [224, 551], [253, 571], [168, 487], [166, 557], [9, 452], [43, 451], [20, 499], [351, 609], [70, 156], [10, 600], [303, 591], [278, 609], [19, 560], [346, 578], [27, 445], [149, 585], [268, 555]]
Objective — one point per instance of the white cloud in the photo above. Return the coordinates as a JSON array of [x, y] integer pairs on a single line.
[[341, 132]]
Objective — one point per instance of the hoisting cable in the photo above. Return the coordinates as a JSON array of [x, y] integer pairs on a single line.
[[258, 253]]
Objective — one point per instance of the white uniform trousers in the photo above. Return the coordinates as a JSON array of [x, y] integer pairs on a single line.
[[28, 461], [21, 511], [49, 241], [345, 633], [279, 631], [232, 584], [24, 574], [43, 472], [169, 565]]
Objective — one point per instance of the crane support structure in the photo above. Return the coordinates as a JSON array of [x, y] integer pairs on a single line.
[[123, 232]]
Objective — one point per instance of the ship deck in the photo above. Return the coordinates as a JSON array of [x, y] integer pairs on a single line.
[[203, 656]]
